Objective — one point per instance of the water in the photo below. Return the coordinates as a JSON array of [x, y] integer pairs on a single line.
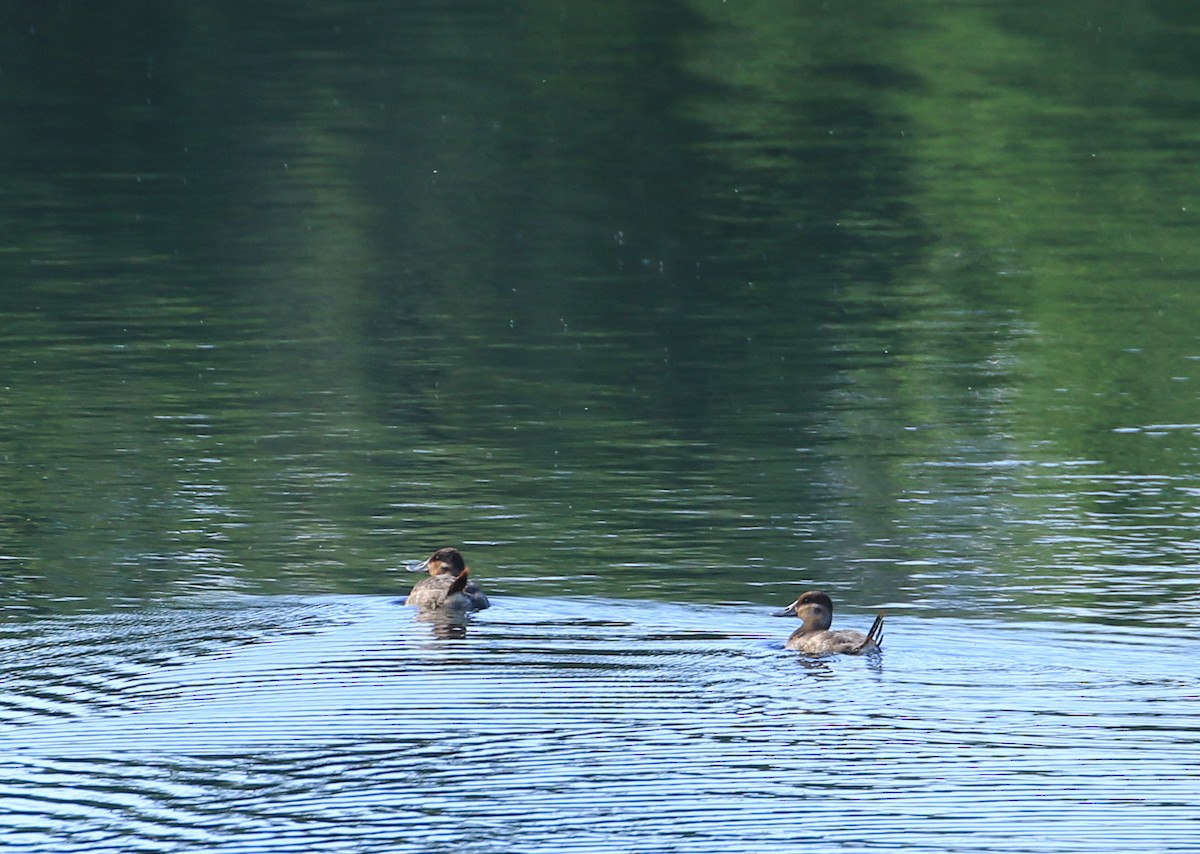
[[580, 724], [663, 314]]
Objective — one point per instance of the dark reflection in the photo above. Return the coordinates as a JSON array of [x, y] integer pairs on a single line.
[[444, 626], [638, 300], [443, 270], [823, 666]]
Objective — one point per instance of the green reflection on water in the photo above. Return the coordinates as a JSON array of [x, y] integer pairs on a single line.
[[684, 301]]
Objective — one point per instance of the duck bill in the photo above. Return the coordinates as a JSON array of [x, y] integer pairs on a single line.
[[789, 611], [417, 566]]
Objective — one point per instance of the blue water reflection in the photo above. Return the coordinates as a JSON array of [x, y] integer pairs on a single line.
[[580, 724]]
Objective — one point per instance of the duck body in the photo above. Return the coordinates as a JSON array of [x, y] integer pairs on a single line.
[[449, 586], [815, 637]]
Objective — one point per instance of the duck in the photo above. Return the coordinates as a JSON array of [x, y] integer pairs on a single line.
[[815, 608], [449, 586]]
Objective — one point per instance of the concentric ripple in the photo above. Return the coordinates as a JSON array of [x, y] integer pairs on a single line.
[[577, 725]]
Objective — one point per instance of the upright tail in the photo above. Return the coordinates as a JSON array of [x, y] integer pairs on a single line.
[[460, 582], [875, 635]]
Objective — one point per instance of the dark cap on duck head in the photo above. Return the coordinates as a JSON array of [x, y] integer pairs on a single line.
[[442, 561], [812, 597]]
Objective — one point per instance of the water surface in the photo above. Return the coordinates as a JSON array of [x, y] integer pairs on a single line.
[[581, 724], [663, 313]]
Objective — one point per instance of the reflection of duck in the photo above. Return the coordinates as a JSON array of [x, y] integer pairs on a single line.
[[816, 610], [445, 625], [449, 586]]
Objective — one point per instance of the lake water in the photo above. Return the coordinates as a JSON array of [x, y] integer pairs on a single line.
[[662, 313], [587, 724]]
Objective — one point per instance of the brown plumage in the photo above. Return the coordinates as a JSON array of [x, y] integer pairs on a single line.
[[815, 608], [449, 586]]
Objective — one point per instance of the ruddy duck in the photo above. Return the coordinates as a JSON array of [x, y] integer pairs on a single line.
[[449, 586], [816, 610]]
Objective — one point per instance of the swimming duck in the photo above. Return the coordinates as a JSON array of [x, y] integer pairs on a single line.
[[816, 610], [449, 586]]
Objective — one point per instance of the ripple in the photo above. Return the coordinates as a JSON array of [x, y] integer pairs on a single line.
[[586, 724]]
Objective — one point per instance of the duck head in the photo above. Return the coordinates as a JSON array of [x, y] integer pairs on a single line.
[[441, 562], [815, 608]]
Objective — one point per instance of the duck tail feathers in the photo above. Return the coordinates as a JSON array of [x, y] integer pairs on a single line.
[[460, 583], [875, 635]]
